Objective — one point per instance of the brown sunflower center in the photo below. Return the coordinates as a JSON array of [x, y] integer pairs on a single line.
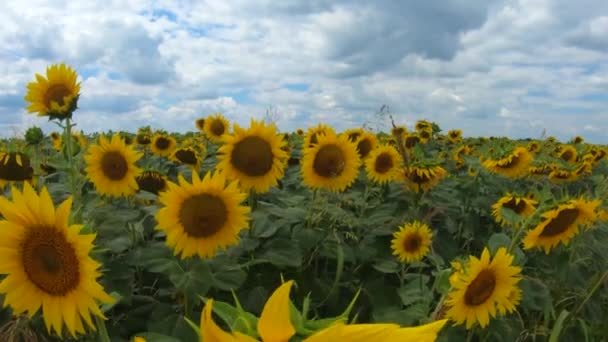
[[384, 162], [564, 220], [411, 141], [567, 155], [364, 147], [419, 178], [50, 261], [517, 207], [114, 165], [252, 156], [143, 139], [203, 215], [15, 166], [217, 127], [56, 93], [162, 143], [200, 123], [329, 161], [186, 156], [412, 243], [425, 134], [151, 182], [480, 289]]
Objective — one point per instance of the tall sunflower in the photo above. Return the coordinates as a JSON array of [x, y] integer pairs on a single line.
[[412, 242], [383, 164], [423, 178], [163, 145], [253, 156], [55, 96], [215, 127], [521, 206], [202, 216], [200, 124], [514, 165], [561, 224], [111, 167], [365, 144], [47, 264], [332, 164], [15, 167], [482, 288]]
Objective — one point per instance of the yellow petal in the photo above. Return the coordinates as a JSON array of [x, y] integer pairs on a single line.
[[274, 324], [210, 332]]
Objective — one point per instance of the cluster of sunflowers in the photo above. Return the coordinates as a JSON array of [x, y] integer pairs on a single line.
[[203, 191]]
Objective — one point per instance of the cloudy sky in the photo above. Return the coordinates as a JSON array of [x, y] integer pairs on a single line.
[[510, 68]]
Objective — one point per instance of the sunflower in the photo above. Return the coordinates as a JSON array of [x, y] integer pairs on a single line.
[[215, 127], [521, 206], [300, 132], [411, 140], [152, 181], [15, 167], [561, 224], [200, 124], [567, 153], [422, 125], [311, 137], [514, 165], [533, 147], [562, 176], [332, 164], [472, 172], [455, 136], [163, 145], [541, 170], [578, 140], [55, 96], [423, 178], [354, 133], [398, 131], [80, 139], [425, 134], [47, 264], [143, 139], [412, 242], [139, 339], [111, 167], [383, 164], [253, 156], [202, 216], [56, 140], [187, 156], [483, 288], [365, 144]]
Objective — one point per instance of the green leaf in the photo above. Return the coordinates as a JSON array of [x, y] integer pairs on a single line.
[[498, 240], [557, 328], [387, 266], [229, 279], [442, 281], [283, 252]]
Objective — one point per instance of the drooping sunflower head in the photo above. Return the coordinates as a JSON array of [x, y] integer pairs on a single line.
[[455, 135], [514, 165], [152, 181], [55, 96], [365, 144], [412, 242], [423, 177], [215, 127], [47, 264], [562, 176], [200, 124], [567, 153], [253, 156], [483, 288], [313, 133], [332, 164], [383, 164], [354, 133], [201, 217], [520, 205], [15, 167], [163, 145], [187, 156], [561, 224], [110, 166]]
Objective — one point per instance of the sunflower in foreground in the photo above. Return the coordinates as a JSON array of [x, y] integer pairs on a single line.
[[274, 325], [253, 156], [215, 126], [514, 165], [163, 145], [521, 206], [202, 216], [482, 288], [383, 164], [111, 167], [47, 264], [561, 224], [332, 164], [423, 178], [412, 242], [55, 96]]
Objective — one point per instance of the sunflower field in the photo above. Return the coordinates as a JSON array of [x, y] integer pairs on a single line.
[[230, 233]]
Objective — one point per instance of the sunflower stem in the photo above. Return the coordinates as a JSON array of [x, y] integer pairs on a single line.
[[102, 331], [70, 159], [595, 287]]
